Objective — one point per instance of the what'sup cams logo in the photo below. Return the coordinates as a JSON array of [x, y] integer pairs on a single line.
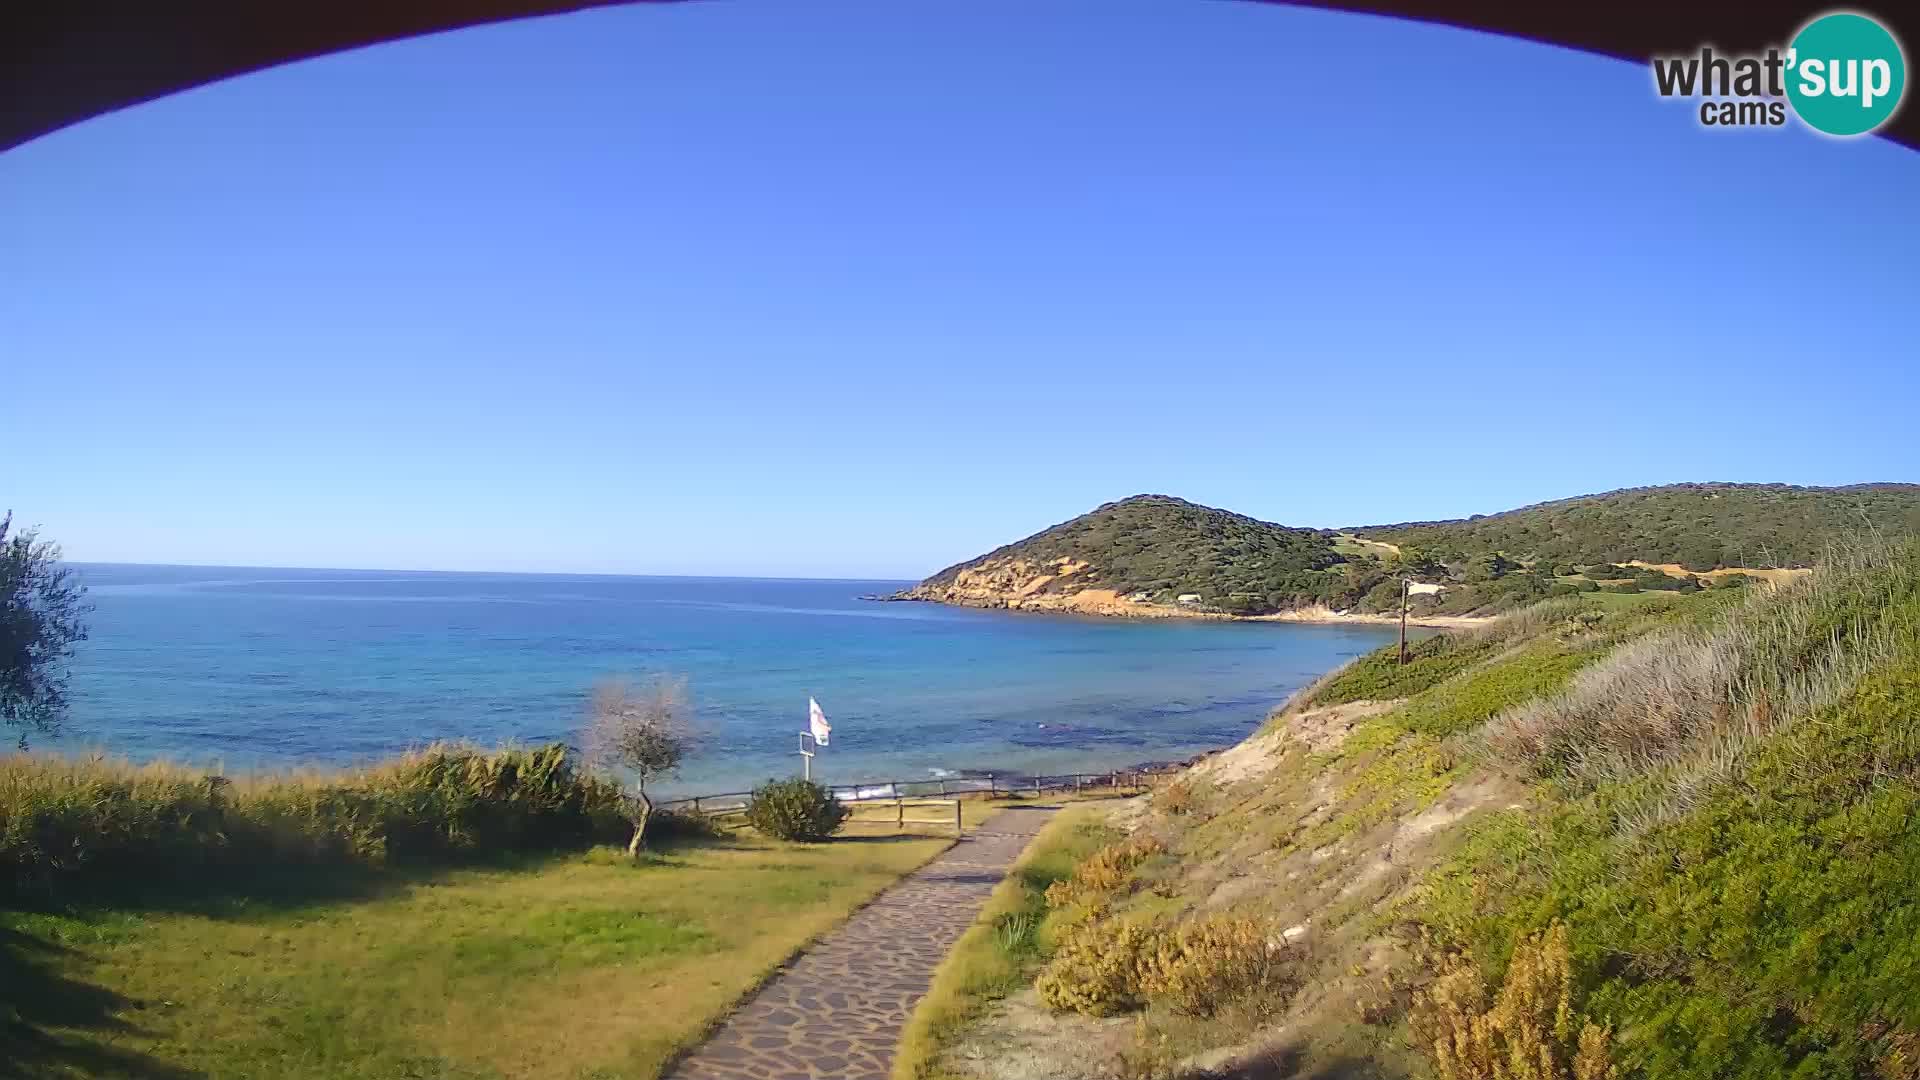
[[1843, 74]]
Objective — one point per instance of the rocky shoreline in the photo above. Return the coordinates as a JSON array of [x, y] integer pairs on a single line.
[[1106, 605]]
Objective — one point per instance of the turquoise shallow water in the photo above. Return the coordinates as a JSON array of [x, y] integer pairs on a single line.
[[262, 668]]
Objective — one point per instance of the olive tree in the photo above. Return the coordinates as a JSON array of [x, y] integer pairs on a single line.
[[645, 731], [42, 614]]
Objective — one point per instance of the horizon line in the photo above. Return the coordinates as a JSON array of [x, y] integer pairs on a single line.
[[495, 573]]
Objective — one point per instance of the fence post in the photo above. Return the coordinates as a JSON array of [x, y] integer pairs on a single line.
[[899, 814], [993, 785], [696, 806], [957, 828]]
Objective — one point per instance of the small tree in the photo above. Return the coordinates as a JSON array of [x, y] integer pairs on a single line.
[[42, 614], [645, 730]]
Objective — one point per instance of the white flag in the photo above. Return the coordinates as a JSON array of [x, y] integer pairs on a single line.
[[817, 720], [1415, 588]]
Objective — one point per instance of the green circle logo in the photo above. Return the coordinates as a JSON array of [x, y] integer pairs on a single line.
[[1845, 74]]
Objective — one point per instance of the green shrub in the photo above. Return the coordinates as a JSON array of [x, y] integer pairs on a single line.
[[1203, 965], [671, 823], [1098, 969], [67, 822], [1531, 1031], [1104, 873], [1656, 581], [795, 810], [1196, 968], [1382, 597]]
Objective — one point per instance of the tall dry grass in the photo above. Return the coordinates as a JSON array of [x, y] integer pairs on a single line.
[[1626, 713], [1679, 710], [70, 821]]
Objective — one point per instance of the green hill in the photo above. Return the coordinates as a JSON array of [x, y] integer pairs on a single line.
[[1154, 545], [1143, 555], [1671, 839], [1699, 526]]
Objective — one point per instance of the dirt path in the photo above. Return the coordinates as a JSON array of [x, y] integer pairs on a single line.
[[837, 1009]]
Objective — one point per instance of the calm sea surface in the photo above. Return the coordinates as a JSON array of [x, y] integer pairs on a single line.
[[260, 668]]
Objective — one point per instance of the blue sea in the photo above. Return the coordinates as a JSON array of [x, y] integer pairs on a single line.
[[251, 669]]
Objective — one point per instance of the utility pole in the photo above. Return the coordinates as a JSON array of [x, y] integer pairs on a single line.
[[1403, 622]]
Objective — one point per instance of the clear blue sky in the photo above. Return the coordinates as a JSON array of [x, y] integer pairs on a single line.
[[848, 289]]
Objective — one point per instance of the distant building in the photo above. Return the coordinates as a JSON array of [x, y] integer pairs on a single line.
[[1139, 598], [1188, 598]]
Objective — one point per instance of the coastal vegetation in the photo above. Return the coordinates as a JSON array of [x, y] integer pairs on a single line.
[[1165, 547], [577, 963], [1000, 951], [1669, 839], [1158, 555], [455, 912], [42, 616], [70, 825], [644, 732], [795, 809], [1652, 822], [1700, 527]]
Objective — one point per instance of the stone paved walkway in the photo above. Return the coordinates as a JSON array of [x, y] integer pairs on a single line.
[[835, 1012]]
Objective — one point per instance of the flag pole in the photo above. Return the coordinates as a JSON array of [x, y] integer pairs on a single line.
[[817, 730], [1403, 622]]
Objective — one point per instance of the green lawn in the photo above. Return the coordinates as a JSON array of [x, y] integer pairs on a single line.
[[573, 966]]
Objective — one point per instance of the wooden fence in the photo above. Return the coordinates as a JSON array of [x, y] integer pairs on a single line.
[[946, 813], [729, 807]]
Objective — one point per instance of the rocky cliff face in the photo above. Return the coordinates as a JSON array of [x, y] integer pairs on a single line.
[[1017, 584]]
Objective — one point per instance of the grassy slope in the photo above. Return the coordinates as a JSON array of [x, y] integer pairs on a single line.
[[567, 966], [1744, 904], [1700, 525], [999, 951], [1715, 799]]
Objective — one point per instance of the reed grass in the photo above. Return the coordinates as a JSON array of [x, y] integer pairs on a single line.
[[1679, 710], [68, 823]]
